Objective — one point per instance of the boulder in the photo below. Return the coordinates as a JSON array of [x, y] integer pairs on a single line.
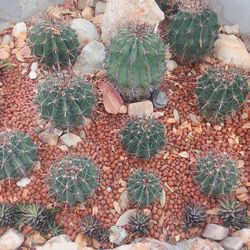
[[215, 232], [11, 240]]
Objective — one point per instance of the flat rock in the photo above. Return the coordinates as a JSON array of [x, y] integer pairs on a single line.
[[229, 49], [18, 29], [202, 244], [140, 109], [232, 243], [244, 234], [11, 240], [215, 232], [70, 139], [120, 13], [100, 7]]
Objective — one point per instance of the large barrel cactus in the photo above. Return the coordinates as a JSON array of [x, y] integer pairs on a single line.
[[221, 92], [65, 100], [17, 154], [54, 44], [135, 61], [193, 33], [73, 179]]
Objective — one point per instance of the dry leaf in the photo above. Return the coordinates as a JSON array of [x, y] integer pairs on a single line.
[[168, 187], [176, 115], [171, 120], [198, 129], [163, 198], [194, 118], [246, 126], [117, 207], [177, 237], [165, 156], [123, 200], [184, 154], [94, 210]]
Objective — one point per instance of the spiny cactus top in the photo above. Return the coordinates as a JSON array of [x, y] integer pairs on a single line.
[[135, 61], [216, 174], [54, 44], [221, 92], [65, 100], [9, 215], [143, 137], [193, 33], [73, 179], [17, 154], [194, 215], [144, 188], [139, 223]]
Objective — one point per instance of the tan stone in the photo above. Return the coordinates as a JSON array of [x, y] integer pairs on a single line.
[[140, 109], [88, 13], [97, 20]]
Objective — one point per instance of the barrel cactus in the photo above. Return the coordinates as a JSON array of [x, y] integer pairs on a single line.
[[54, 44], [220, 92], [144, 188], [135, 61], [194, 215], [216, 174], [73, 179], [17, 154], [65, 100], [193, 33], [9, 215], [143, 137], [139, 223]]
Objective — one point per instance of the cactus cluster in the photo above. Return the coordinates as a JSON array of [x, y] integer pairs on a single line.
[[221, 92], [139, 223], [216, 174], [65, 100], [144, 188], [9, 215], [135, 61], [143, 137], [73, 179], [54, 44], [17, 154], [193, 33], [194, 215]]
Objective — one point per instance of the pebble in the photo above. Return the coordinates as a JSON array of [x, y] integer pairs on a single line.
[[159, 98], [70, 139], [7, 39], [88, 13], [117, 235], [18, 29], [215, 232], [232, 243], [23, 182], [32, 75], [171, 65], [34, 66], [140, 109]]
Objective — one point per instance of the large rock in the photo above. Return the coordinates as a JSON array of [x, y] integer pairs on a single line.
[[120, 13], [231, 50], [244, 234], [91, 59], [215, 232], [232, 243], [85, 30], [11, 240], [140, 109]]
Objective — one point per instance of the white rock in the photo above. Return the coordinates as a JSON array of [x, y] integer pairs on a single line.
[[215, 232], [171, 65], [232, 30], [244, 234], [7, 39], [34, 66], [117, 235], [11, 240], [232, 243], [85, 30], [124, 218], [120, 13], [91, 59], [88, 13], [70, 139], [100, 7], [231, 50], [23, 182], [140, 109], [19, 28], [32, 75]]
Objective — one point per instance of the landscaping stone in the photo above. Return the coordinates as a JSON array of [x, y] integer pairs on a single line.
[[246, 39], [18, 29], [70, 139], [91, 59], [7, 39], [34, 66], [244, 234], [49, 137], [117, 235], [232, 243], [100, 7], [140, 109], [23, 182], [91, 3], [88, 13], [97, 20], [81, 4], [124, 218], [232, 30], [215, 232], [171, 65], [202, 244], [32, 75], [11, 240], [160, 99]]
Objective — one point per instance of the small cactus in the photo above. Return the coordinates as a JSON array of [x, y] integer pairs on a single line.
[[17, 154], [73, 179], [194, 215], [220, 92], [9, 215], [139, 223], [216, 174], [143, 137], [193, 33], [54, 44], [135, 61], [65, 100], [144, 188]]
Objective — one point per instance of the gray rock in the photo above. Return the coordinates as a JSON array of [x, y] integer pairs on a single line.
[[91, 59], [171, 65], [244, 234], [70, 139], [160, 99], [117, 235], [81, 4], [11, 240], [232, 243], [215, 232], [23, 182], [100, 7], [140, 109], [124, 218]]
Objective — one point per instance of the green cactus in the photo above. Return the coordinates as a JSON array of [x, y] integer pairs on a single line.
[[9, 215], [193, 33], [73, 179], [144, 188], [216, 174], [139, 223], [194, 215], [135, 61], [143, 137], [65, 100], [163, 4], [54, 44], [220, 92], [17, 154]]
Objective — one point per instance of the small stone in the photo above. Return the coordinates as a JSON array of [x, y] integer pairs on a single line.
[[244, 234], [199, 244], [38, 129], [23, 182], [49, 137], [157, 114], [160, 99], [123, 109], [18, 29], [34, 66], [11, 240], [70, 140], [215, 232], [91, 3], [58, 132], [100, 7], [117, 235], [88, 13], [7, 39], [232, 243], [140, 109], [81, 4], [32, 75], [124, 218], [97, 20], [171, 65], [246, 39], [232, 30]]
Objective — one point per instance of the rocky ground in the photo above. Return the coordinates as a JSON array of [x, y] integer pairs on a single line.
[[187, 133]]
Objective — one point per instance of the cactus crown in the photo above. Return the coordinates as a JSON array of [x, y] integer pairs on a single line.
[[139, 223], [135, 61], [9, 215], [144, 188], [65, 100], [193, 33], [220, 92], [73, 179], [54, 44], [17, 154], [143, 137], [194, 215], [216, 174]]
